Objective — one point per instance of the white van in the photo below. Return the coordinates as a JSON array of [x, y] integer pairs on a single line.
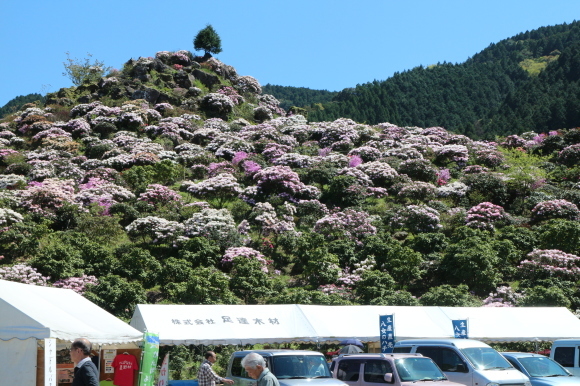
[[566, 353], [466, 361]]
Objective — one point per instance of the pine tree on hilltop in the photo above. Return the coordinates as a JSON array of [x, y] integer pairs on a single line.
[[208, 40]]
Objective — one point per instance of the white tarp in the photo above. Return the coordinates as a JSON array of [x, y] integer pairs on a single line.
[[223, 324], [243, 324], [508, 324], [18, 362], [29, 311]]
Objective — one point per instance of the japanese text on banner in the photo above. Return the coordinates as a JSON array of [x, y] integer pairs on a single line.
[[460, 328], [387, 332]]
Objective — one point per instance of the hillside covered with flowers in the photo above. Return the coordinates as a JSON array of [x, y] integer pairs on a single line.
[[176, 180]]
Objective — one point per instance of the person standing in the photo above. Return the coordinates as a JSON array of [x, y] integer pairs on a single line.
[[85, 371], [255, 366], [206, 376]]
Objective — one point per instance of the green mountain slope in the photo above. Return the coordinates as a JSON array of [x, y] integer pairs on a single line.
[[16, 103], [298, 96], [477, 98]]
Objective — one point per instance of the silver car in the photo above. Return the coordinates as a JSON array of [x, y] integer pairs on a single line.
[[541, 370]]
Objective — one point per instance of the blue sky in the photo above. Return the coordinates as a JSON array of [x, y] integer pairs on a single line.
[[319, 44]]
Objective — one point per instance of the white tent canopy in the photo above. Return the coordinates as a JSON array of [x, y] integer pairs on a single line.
[[224, 324], [250, 324], [30, 311]]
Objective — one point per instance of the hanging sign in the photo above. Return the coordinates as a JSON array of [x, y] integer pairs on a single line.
[[50, 376], [164, 372], [460, 328], [387, 332]]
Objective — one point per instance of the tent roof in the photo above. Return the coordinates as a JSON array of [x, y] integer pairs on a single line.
[[30, 311], [224, 324], [237, 324]]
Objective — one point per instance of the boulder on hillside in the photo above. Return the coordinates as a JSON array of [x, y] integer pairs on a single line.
[[183, 79], [208, 80], [149, 94]]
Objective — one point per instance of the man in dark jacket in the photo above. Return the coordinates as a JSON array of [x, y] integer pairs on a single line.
[[86, 373]]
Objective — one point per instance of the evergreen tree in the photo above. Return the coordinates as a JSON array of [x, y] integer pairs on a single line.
[[208, 40]]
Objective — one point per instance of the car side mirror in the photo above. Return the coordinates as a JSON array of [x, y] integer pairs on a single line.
[[389, 377], [461, 368]]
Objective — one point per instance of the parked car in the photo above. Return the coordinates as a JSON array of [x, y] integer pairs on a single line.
[[395, 369], [541, 370], [565, 352], [291, 367], [466, 361]]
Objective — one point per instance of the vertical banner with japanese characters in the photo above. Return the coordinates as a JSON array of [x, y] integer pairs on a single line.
[[149, 357], [460, 328], [50, 362], [164, 372], [387, 330]]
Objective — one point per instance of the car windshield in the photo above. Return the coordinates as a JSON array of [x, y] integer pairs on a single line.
[[542, 367], [486, 358], [418, 369], [300, 367]]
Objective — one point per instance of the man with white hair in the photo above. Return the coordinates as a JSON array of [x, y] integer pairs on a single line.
[[255, 366]]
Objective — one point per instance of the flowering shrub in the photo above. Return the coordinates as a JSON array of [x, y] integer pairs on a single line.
[[362, 178], [9, 217], [215, 224], [475, 169], [418, 169], [555, 209], [77, 284], [352, 224], [130, 121], [232, 94], [265, 214], [103, 193], [354, 161], [239, 157], [248, 84], [157, 195], [570, 155], [484, 215], [381, 173], [275, 150], [417, 218], [489, 157], [158, 229], [163, 107], [217, 104], [339, 134], [227, 145], [513, 141], [365, 153], [251, 168], [182, 57], [443, 176], [216, 168], [78, 127], [23, 274], [11, 180], [418, 191], [47, 196], [545, 263], [454, 153], [504, 296], [248, 253], [294, 160], [282, 179], [222, 187], [343, 291]]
